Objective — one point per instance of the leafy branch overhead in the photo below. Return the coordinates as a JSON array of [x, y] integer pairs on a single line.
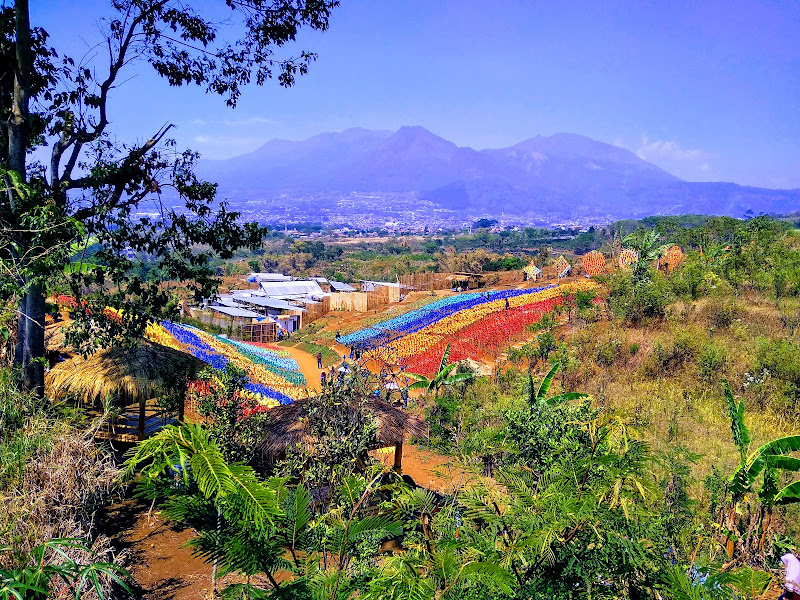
[[146, 214]]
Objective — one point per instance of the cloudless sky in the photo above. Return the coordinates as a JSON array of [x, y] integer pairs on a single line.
[[709, 91]]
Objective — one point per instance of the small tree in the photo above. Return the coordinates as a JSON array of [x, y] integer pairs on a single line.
[[93, 185]]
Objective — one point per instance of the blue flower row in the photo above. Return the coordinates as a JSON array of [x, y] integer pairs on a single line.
[[292, 375], [266, 354], [204, 352], [196, 347], [260, 388]]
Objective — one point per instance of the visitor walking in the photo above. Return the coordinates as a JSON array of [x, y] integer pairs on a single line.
[[791, 577], [323, 378], [319, 360], [507, 304]]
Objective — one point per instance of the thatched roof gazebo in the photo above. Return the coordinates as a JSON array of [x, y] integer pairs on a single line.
[[126, 377], [287, 426]]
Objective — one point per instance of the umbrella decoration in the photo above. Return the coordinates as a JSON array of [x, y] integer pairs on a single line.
[[673, 258], [532, 271], [562, 266], [594, 263], [627, 258]]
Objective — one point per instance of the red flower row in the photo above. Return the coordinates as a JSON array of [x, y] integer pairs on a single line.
[[489, 336]]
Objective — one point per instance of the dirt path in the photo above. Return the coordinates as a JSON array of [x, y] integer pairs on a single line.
[[429, 469], [161, 566], [307, 364]]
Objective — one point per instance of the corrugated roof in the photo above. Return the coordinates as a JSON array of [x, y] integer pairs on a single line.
[[342, 287], [268, 277], [226, 301], [270, 303], [235, 312], [292, 288]]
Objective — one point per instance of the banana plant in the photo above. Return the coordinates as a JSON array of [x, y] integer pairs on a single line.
[[768, 462], [444, 376], [539, 395], [647, 247]]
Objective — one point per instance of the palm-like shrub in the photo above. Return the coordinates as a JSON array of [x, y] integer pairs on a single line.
[[48, 571], [446, 375]]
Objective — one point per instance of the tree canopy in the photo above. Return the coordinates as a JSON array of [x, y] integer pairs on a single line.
[[136, 200]]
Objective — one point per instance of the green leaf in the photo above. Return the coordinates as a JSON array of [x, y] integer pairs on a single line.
[[445, 357], [789, 495], [745, 474], [546, 382], [565, 397]]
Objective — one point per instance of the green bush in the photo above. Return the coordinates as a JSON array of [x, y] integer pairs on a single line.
[[583, 299], [722, 312], [606, 352], [780, 360], [712, 359], [666, 359], [638, 301], [687, 280]]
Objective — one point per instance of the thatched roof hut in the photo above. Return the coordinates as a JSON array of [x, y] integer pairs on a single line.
[[127, 375], [286, 426]]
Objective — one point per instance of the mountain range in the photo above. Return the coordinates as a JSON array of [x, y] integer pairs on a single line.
[[564, 176]]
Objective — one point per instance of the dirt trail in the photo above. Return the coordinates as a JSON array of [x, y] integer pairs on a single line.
[[307, 364], [161, 566]]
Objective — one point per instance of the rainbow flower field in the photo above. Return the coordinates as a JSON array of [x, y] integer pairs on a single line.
[[474, 324], [275, 377]]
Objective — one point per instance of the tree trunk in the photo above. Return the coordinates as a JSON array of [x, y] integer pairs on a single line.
[[21, 323], [30, 331], [33, 346]]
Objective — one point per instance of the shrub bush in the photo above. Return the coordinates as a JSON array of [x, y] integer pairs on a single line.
[[638, 301], [722, 312], [712, 359]]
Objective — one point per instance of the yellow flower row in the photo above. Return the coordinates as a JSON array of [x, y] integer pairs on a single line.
[[423, 339], [157, 334]]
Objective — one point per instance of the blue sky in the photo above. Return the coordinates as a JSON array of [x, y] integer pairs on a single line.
[[709, 91]]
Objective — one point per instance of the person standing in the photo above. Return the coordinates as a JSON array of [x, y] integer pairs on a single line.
[[791, 577], [319, 360], [322, 378]]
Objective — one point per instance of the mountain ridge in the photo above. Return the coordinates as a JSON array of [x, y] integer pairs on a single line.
[[564, 175]]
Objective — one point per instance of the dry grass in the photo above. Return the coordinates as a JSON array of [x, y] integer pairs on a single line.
[[670, 403], [57, 494]]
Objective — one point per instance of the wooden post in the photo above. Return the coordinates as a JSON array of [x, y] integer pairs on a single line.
[[398, 458], [142, 413]]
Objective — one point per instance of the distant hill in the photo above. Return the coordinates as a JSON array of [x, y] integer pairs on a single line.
[[563, 176]]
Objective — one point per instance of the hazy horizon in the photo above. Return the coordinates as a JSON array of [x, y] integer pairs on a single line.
[[707, 91]]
